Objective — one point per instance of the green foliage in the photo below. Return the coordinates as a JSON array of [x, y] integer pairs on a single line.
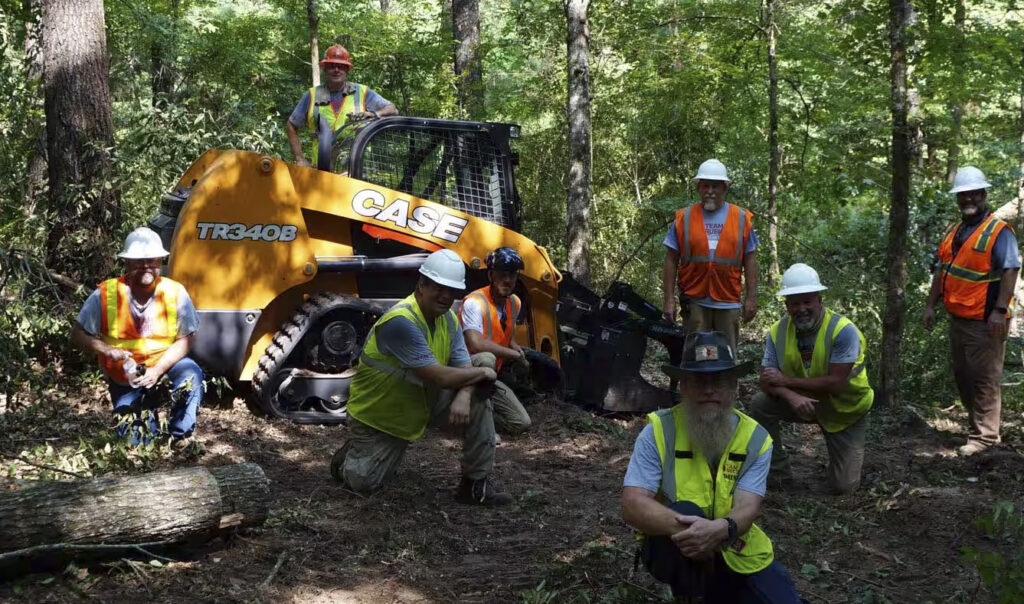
[[1002, 571]]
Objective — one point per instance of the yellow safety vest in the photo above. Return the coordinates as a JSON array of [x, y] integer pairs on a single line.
[[686, 476], [320, 104], [387, 396], [117, 328], [839, 411]]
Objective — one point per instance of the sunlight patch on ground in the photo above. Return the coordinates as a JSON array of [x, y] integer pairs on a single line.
[[365, 594]]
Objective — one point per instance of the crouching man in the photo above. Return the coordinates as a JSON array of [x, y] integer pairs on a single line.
[[695, 483], [414, 369], [140, 327]]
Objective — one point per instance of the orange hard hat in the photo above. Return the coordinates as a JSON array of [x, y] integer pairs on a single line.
[[337, 54]]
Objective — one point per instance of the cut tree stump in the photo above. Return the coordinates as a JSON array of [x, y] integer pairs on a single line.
[[160, 508]]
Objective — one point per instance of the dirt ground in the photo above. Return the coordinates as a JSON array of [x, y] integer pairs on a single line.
[[896, 540]]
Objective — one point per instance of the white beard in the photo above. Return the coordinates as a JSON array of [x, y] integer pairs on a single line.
[[710, 429]]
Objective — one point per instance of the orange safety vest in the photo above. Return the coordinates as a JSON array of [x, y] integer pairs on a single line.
[[700, 275], [965, 278], [117, 328], [493, 328]]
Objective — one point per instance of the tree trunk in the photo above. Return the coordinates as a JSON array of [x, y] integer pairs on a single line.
[[163, 52], [385, 6], [577, 214], [957, 109], [85, 208], [468, 69], [774, 153], [314, 40], [180, 505], [35, 183], [900, 18]]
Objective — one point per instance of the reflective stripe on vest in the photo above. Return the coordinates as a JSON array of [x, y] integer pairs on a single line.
[[686, 476], [320, 105], [839, 411], [387, 396], [965, 278], [492, 325], [702, 274], [117, 327]]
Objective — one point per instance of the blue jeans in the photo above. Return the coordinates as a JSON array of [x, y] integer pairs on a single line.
[[713, 581], [136, 408]]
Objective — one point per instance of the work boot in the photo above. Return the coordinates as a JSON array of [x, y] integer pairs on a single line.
[[338, 463], [481, 492], [971, 448]]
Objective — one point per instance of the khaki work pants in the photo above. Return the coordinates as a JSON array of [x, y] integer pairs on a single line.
[[702, 318], [845, 448], [978, 370], [510, 417], [373, 456]]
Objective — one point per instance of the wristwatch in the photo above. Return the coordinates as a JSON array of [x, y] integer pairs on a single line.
[[733, 533]]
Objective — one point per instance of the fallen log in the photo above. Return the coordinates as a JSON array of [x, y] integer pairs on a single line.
[[101, 514]]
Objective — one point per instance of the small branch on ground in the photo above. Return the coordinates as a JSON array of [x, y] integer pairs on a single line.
[[869, 581], [152, 555], [643, 589], [280, 562], [42, 466], [58, 547]]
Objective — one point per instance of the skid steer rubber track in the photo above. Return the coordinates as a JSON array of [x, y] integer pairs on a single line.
[[282, 346]]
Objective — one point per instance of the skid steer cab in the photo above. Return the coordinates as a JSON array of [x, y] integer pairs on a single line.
[[289, 267]]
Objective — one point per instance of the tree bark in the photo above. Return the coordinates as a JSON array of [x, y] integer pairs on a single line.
[[168, 507], [900, 19], [774, 152], [314, 40], [85, 208], [580, 155], [957, 108], [35, 183], [468, 68], [163, 54]]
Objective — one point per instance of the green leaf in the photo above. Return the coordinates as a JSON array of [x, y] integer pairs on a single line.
[[810, 571]]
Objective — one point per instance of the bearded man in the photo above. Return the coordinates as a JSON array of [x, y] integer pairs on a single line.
[[695, 483], [979, 263], [813, 372]]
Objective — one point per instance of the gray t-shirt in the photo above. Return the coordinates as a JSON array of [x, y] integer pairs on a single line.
[[91, 316], [400, 338], [713, 224], [845, 349]]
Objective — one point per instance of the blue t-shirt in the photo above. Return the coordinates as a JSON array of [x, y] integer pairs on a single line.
[[400, 338], [91, 316], [845, 349], [374, 102], [713, 224], [644, 470]]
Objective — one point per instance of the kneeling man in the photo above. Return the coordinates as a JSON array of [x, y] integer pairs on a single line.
[[415, 368], [813, 372], [140, 327], [695, 483]]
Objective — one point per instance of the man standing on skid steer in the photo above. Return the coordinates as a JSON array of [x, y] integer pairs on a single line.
[[415, 370], [328, 107]]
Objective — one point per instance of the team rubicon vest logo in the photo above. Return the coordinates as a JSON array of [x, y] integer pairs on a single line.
[[424, 220]]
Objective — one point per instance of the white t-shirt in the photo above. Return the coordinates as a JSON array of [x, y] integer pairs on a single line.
[[473, 313]]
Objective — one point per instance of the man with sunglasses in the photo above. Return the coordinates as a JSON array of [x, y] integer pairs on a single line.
[[325, 109], [140, 327], [414, 371], [695, 482]]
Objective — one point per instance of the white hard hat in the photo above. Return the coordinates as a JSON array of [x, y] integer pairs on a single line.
[[712, 169], [800, 279], [141, 244], [969, 178], [445, 268]]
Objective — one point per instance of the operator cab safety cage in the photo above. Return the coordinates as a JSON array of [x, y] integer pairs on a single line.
[[466, 166]]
